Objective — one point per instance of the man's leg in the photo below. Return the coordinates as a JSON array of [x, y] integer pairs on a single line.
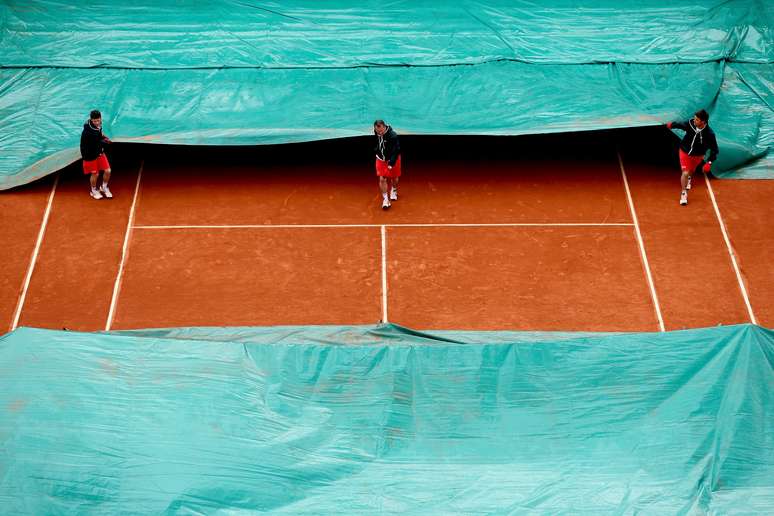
[[93, 181], [104, 188], [394, 189], [383, 186], [684, 180], [685, 177], [697, 170]]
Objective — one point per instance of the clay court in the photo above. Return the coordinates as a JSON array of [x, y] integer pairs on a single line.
[[489, 233]]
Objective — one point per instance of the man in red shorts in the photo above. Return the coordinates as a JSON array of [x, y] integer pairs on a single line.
[[698, 139], [387, 162], [93, 154]]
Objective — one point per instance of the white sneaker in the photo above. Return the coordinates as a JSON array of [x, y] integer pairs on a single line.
[[95, 193], [385, 203], [688, 186], [683, 198], [106, 191], [394, 194]]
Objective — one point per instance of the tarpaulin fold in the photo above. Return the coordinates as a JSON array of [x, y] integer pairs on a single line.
[[248, 73]]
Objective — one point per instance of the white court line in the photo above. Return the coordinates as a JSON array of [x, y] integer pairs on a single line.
[[127, 235], [36, 250], [343, 226], [730, 251], [642, 245], [384, 274]]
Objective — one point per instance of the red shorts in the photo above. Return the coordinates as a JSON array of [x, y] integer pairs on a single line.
[[94, 166], [689, 163], [383, 171]]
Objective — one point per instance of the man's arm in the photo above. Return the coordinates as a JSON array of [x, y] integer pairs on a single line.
[[83, 144], [395, 152], [683, 126]]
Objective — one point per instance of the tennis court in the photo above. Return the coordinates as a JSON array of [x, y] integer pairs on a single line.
[[503, 235]]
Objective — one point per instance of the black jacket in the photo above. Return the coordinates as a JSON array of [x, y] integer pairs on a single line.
[[387, 146], [696, 142], [92, 142]]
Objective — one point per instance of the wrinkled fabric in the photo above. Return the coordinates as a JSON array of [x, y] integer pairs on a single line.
[[323, 419], [234, 72]]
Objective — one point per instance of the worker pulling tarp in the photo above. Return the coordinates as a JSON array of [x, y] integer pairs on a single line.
[[384, 419], [241, 73]]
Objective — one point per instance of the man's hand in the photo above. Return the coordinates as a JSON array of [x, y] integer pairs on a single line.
[[669, 125], [106, 140], [707, 167]]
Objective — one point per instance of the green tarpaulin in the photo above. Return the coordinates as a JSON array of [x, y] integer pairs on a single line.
[[245, 73], [357, 420]]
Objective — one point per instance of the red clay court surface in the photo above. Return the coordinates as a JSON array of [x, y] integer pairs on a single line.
[[489, 233]]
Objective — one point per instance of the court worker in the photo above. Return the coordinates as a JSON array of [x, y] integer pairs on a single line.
[[93, 143], [388, 167], [698, 139]]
